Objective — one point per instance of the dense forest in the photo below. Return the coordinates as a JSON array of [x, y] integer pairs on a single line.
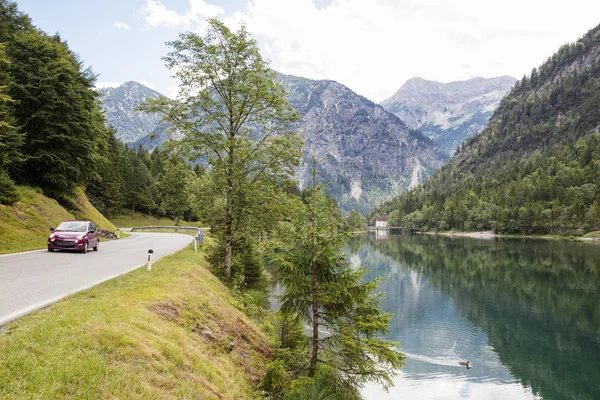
[[534, 169]]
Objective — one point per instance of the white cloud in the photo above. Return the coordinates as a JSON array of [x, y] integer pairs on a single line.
[[156, 14], [374, 46], [102, 85], [121, 25]]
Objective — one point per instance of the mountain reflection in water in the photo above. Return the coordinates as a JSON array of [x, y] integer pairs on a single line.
[[526, 313]]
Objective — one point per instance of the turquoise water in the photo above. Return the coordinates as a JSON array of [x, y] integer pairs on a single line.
[[526, 313]]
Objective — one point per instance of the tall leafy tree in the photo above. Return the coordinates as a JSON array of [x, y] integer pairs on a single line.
[[323, 290], [232, 110]]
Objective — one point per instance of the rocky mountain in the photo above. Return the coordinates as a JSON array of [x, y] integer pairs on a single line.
[[133, 127], [448, 113], [367, 154], [534, 169]]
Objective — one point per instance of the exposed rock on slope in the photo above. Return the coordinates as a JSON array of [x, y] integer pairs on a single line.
[[367, 154], [451, 112], [119, 105]]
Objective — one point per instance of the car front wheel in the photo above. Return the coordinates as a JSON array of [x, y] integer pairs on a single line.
[[85, 248]]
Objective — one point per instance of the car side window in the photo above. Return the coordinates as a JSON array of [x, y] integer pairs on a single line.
[[92, 227]]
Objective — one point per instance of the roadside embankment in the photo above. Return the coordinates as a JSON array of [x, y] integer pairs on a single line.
[[26, 224], [170, 333]]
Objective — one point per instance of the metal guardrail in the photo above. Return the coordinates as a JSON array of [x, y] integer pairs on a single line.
[[199, 232]]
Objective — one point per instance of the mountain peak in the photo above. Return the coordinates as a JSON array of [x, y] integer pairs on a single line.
[[448, 112], [120, 107]]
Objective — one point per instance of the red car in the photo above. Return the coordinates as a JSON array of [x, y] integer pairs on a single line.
[[74, 235]]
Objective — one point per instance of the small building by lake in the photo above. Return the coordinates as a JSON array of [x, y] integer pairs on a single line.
[[381, 222]]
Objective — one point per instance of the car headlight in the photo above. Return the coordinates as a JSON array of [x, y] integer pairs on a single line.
[[52, 235], [78, 238]]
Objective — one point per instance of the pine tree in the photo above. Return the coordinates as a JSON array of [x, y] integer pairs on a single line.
[[174, 186], [57, 112], [11, 139], [322, 289]]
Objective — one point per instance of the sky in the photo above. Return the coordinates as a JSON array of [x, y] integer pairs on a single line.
[[371, 46]]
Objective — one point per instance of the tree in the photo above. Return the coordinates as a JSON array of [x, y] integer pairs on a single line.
[[174, 186], [322, 289], [141, 190], [232, 110], [355, 221], [595, 211], [57, 112], [11, 139], [106, 190]]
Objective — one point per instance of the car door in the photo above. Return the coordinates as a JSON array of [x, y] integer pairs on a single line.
[[94, 234]]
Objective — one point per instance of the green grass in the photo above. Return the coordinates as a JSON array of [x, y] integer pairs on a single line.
[[87, 211], [172, 333], [127, 220], [26, 224]]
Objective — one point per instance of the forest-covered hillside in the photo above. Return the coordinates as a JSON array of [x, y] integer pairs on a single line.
[[534, 169], [54, 135]]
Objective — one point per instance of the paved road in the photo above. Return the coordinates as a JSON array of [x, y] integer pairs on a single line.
[[29, 281]]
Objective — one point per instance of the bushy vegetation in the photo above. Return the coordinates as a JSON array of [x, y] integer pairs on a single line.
[[534, 169]]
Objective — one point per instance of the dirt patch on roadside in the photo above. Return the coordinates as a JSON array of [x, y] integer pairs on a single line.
[[168, 311]]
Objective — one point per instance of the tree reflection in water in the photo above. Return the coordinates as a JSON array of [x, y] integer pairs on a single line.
[[524, 310]]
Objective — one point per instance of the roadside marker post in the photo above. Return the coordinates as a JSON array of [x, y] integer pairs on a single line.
[[195, 244], [149, 266], [118, 233]]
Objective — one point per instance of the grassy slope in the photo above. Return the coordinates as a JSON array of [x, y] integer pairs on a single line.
[[25, 225], [126, 220], [89, 212], [172, 333]]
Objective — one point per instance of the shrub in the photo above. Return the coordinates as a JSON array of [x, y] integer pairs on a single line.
[[8, 190]]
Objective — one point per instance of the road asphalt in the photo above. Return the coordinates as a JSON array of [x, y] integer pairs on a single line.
[[33, 280]]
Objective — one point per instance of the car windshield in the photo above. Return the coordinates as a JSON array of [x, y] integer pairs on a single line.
[[72, 227]]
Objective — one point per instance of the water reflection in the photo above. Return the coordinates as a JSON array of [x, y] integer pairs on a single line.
[[526, 313]]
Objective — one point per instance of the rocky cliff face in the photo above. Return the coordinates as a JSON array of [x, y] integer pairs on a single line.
[[367, 154], [133, 127], [448, 113]]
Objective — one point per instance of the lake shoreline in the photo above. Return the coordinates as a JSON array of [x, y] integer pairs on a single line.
[[488, 235]]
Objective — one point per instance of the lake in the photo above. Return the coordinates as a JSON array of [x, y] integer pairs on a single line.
[[525, 312]]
